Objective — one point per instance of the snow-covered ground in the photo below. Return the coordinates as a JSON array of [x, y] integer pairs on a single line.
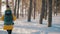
[[22, 26]]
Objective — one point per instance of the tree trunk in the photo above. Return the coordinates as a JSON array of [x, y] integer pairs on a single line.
[[6, 3], [30, 11], [56, 7], [22, 8], [50, 14], [0, 7], [42, 12], [53, 7], [25, 8], [34, 8], [45, 15], [15, 7], [18, 9]]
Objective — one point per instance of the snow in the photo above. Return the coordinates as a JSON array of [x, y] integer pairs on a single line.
[[22, 26]]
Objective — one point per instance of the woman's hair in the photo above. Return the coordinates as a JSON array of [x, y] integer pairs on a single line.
[[8, 11], [8, 6]]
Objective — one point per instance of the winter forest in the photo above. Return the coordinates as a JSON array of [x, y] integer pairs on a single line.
[[33, 16]]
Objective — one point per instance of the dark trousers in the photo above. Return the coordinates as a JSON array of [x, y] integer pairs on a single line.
[[9, 31]]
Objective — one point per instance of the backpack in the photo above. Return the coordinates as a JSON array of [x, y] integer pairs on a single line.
[[8, 19]]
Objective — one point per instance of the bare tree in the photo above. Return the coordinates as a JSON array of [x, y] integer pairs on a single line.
[[42, 11], [15, 7], [55, 7], [22, 8], [18, 9], [30, 11], [6, 3], [45, 14], [34, 8], [25, 8], [50, 14], [0, 7]]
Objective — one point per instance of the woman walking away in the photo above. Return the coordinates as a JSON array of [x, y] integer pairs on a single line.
[[8, 19]]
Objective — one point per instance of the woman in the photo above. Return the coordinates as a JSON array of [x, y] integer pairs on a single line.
[[8, 19]]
